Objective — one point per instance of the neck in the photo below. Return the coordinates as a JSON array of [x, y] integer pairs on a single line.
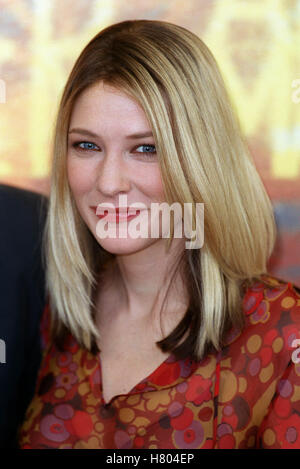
[[139, 281]]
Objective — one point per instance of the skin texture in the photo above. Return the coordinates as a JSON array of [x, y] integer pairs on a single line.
[[114, 164]]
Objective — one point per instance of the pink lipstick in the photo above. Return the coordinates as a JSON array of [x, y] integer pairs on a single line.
[[116, 215]]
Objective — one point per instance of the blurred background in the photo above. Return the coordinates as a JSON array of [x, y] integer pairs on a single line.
[[257, 46]]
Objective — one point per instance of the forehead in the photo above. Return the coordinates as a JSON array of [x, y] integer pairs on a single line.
[[105, 103]]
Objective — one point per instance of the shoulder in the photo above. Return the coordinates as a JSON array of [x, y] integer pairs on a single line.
[[22, 218], [273, 292], [272, 310], [16, 197], [58, 339], [21, 208]]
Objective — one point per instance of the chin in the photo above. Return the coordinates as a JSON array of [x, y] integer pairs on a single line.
[[125, 246]]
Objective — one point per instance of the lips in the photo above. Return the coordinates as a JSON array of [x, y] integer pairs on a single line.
[[117, 214], [128, 211]]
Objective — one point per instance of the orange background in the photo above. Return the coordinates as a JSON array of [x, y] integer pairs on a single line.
[[256, 44]]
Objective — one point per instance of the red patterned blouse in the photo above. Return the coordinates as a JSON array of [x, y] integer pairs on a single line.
[[246, 396]]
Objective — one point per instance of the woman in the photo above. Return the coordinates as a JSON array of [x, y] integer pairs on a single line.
[[149, 344]]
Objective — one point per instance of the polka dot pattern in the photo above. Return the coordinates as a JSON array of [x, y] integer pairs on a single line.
[[245, 396]]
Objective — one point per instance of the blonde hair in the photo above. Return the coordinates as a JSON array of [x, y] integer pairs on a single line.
[[203, 158]]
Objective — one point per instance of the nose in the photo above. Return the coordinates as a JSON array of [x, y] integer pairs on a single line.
[[113, 176]]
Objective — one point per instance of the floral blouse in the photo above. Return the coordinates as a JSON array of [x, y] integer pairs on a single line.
[[245, 396]]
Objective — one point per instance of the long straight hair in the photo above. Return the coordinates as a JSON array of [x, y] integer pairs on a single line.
[[203, 158]]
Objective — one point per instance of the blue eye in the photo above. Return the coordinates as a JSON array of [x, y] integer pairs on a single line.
[[88, 147], [147, 149]]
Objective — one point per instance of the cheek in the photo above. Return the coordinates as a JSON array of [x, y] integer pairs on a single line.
[[155, 187], [79, 177]]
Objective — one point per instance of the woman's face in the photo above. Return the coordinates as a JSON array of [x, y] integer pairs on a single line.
[[111, 152]]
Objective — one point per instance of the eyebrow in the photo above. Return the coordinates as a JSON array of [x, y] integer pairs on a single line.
[[78, 130]]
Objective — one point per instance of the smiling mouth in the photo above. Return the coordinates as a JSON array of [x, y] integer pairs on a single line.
[[117, 210], [117, 215]]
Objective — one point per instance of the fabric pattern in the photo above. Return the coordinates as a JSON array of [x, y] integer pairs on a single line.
[[245, 396]]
